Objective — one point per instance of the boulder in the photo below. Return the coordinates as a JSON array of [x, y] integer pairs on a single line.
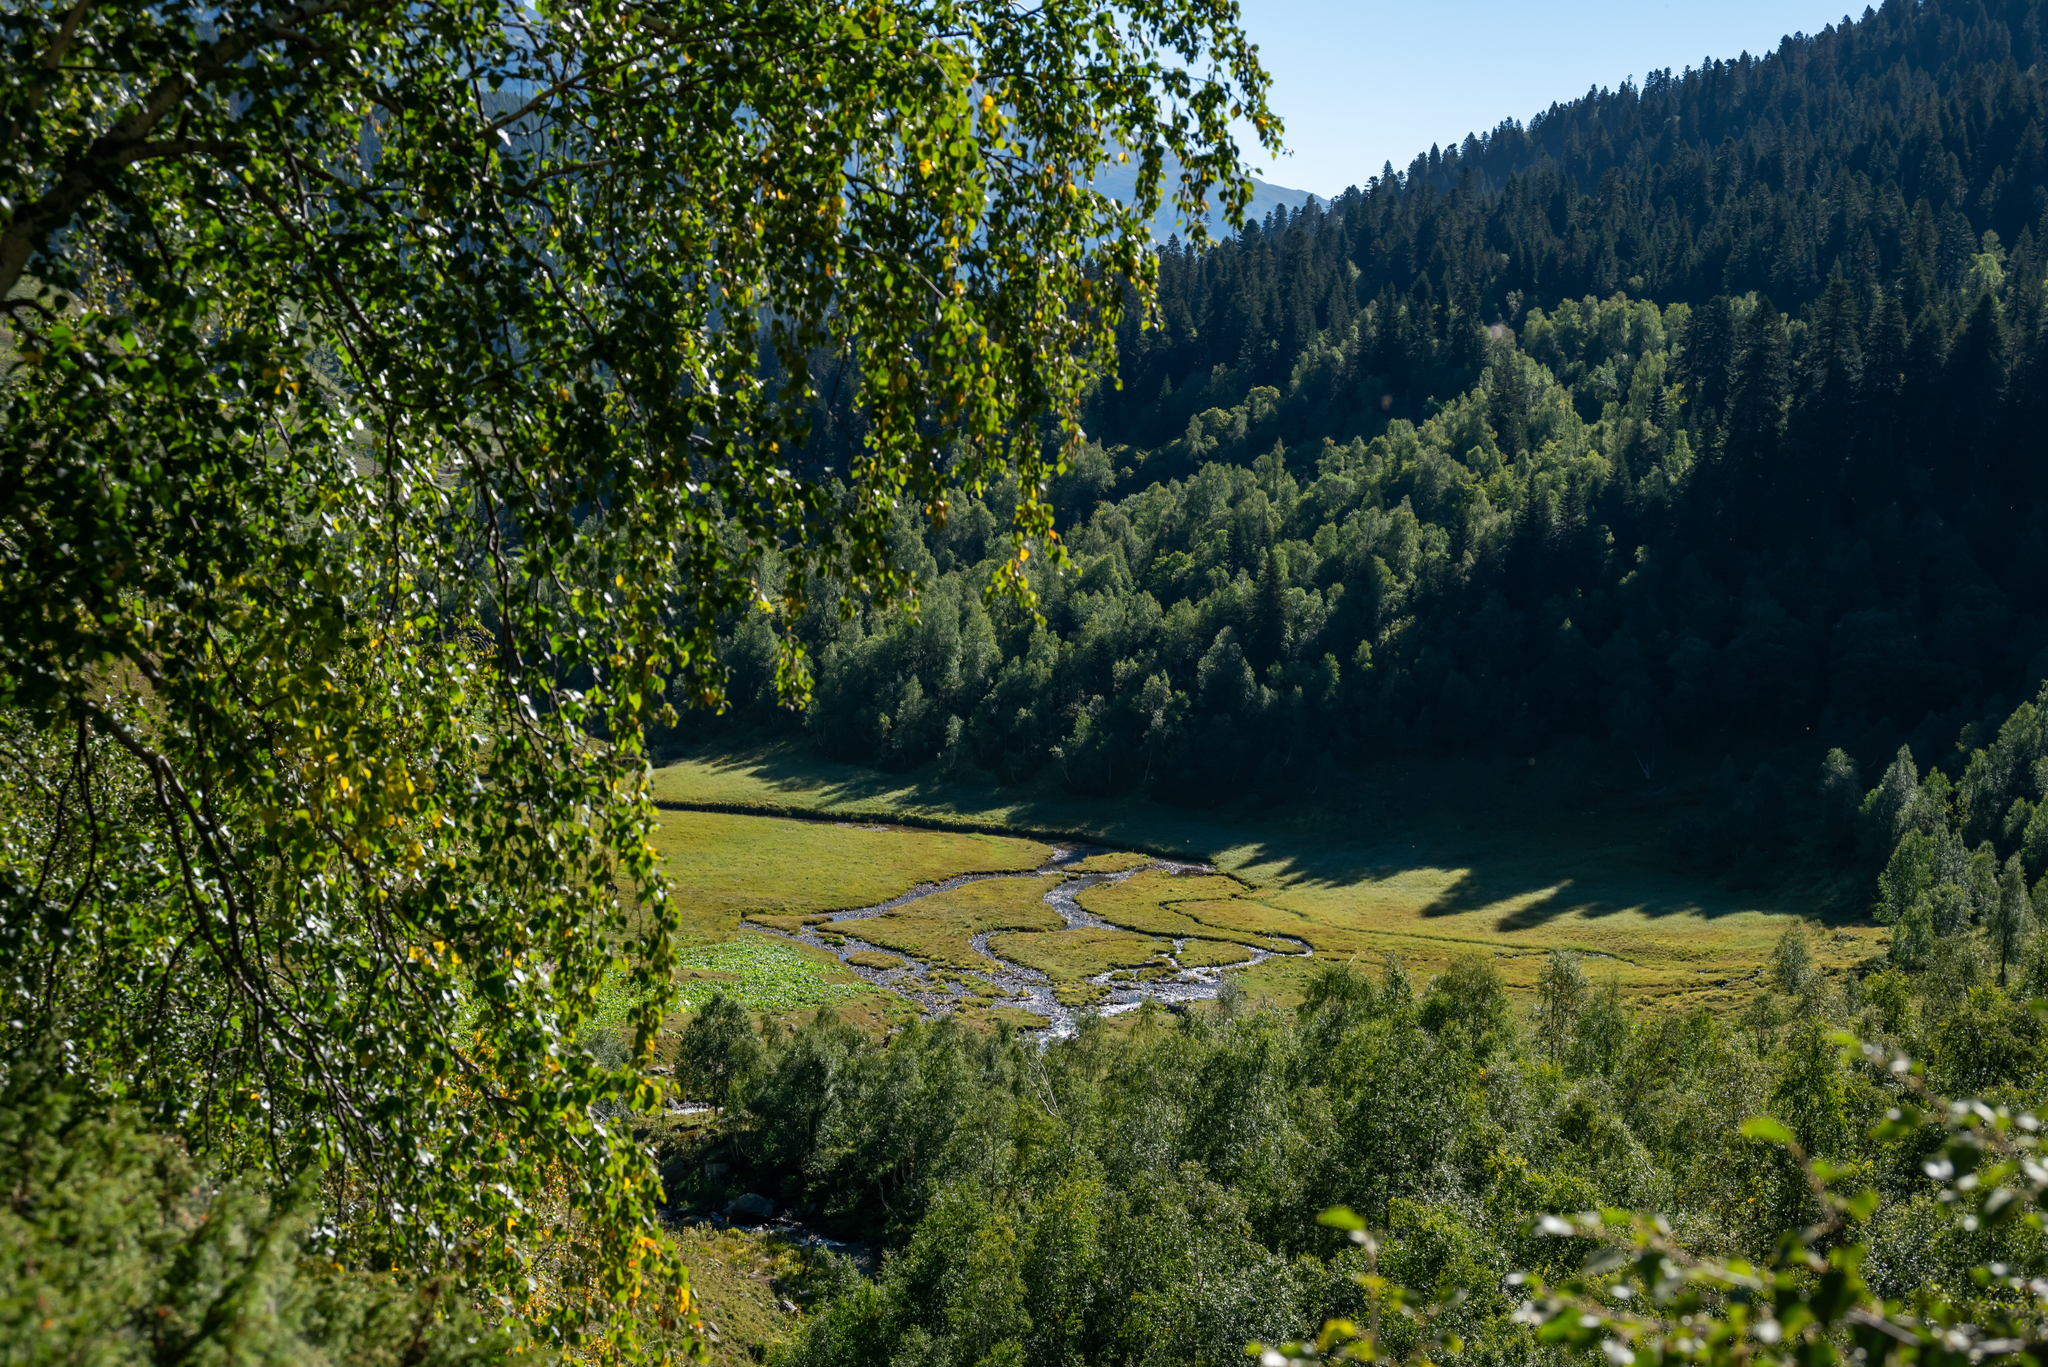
[[750, 1208]]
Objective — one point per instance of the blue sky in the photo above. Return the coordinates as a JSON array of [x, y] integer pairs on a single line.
[[1363, 84]]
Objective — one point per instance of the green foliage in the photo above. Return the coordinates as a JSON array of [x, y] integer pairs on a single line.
[[116, 1248], [1934, 888], [1646, 1298], [718, 1051], [1601, 1033], [1337, 998], [1907, 878], [1470, 998], [396, 400], [1186, 657], [1811, 1091], [1889, 997], [1985, 1040], [1149, 1191], [1792, 961], [1914, 942], [2011, 916], [763, 976]]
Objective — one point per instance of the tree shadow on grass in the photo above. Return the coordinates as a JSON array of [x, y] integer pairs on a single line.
[[833, 791], [1536, 886], [1539, 879], [785, 768]]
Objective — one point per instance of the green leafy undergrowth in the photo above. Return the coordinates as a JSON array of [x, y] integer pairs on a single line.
[[117, 1248], [763, 976]]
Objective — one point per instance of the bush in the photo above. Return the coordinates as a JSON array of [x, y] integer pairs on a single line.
[[116, 1248]]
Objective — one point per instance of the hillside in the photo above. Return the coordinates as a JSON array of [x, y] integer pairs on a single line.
[[1602, 551], [1698, 418]]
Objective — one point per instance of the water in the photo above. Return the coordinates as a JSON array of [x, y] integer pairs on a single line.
[[934, 990]]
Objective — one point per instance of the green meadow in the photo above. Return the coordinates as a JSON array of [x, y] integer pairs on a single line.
[[1427, 860], [939, 929], [723, 869], [1071, 955]]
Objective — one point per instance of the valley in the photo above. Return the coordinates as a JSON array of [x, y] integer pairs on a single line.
[[785, 685], [842, 873]]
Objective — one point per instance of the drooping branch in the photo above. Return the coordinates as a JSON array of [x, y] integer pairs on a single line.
[[73, 186]]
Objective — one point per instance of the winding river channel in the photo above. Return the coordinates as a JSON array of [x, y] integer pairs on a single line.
[[940, 990]]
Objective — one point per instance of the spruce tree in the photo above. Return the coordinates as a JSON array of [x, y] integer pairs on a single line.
[[1508, 404], [1269, 632], [1758, 388], [1834, 360], [1884, 377], [1708, 355]]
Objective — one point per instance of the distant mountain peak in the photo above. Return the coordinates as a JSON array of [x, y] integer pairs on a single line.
[[1120, 182]]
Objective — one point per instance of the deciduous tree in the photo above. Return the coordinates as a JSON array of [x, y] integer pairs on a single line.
[[397, 395]]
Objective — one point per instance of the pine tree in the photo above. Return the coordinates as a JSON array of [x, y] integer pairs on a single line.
[[1926, 417], [1834, 359], [1975, 374], [1508, 405], [1884, 372], [1829, 389]]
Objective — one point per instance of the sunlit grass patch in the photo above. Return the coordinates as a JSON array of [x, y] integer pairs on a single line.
[[874, 958], [1199, 907], [1427, 859], [723, 867], [1115, 861], [788, 925], [1256, 921], [939, 929], [1014, 1016], [1211, 954], [734, 1276], [1067, 955]]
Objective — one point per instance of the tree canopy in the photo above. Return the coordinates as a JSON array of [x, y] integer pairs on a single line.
[[396, 397]]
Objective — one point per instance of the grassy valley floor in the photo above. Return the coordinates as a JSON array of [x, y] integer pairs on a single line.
[[1427, 859]]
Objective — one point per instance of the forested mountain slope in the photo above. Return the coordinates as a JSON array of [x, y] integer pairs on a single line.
[[1701, 415], [1880, 151]]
